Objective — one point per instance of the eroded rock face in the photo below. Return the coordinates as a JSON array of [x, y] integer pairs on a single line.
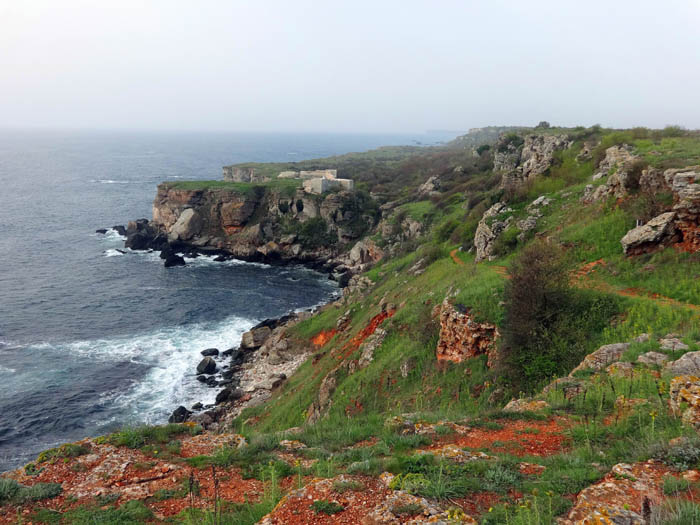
[[656, 233], [521, 163], [488, 230], [684, 390], [686, 192], [602, 357], [618, 167], [462, 337], [430, 187]]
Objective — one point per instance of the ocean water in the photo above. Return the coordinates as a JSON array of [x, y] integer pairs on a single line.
[[92, 339]]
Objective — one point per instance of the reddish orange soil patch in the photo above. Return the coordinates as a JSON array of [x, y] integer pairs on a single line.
[[520, 438], [587, 268], [456, 259], [323, 337], [295, 508], [368, 330], [478, 503]]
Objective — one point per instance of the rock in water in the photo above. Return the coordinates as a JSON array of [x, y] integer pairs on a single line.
[[121, 230], [210, 352], [179, 415], [206, 366], [174, 260], [101, 230]]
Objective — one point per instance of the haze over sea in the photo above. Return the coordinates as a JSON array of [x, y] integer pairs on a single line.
[[92, 339]]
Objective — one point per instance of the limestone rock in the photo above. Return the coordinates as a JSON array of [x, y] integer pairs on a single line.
[[686, 193], [619, 497], [620, 369], [430, 187], [488, 230], [525, 405], [602, 357], [255, 338], [461, 336], [520, 163], [618, 167], [187, 226], [687, 364], [569, 386], [684, 390], [655, 234], [369, 345], [671, 342], [653, 359]]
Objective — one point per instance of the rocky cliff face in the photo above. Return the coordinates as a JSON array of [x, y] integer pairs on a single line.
[[263, 223], [520, 159]]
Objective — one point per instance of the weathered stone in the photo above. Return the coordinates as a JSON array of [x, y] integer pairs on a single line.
[[255, 338], [179, 415], [368, 347], [657, 233], [455, 453], [525, 405], [672, 343], [687, 364], [684, 391], [653, 359], [206, 366], [534, 157], [602, 357], [621, 369], [619, 168], [430, 187], [619, 499], [188, 225], [461, 336], [488, 230]]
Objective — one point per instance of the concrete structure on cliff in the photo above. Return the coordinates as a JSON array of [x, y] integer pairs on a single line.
[[314, 181]]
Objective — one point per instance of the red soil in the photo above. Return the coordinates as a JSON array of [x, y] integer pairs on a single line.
[[323, 337], [368, 330], [520, 438]]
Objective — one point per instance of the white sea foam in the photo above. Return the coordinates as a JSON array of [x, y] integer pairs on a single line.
[[171, 354], [112, 253], [112, 181], [208, 260]]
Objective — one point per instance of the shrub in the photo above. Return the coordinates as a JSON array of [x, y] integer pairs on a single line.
[[314, 233], [511, 139], [13, 492], [547, 324], [481, 149], [408, 509], [69, 450]]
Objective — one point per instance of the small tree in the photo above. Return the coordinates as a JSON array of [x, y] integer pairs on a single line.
[[544, 125], [535, 296]]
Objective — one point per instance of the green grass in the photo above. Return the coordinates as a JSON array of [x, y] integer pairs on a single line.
[[137, 437], [68, 450]]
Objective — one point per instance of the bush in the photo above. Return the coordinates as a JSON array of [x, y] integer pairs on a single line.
[[511, 139], [314, 233], [13, 492], [69, 450], [547, 324]]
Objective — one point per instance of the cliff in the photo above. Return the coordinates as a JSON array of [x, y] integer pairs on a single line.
[[266, 222]]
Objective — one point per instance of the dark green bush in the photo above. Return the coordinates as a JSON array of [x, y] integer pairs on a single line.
[[548, 325], [314, 233]]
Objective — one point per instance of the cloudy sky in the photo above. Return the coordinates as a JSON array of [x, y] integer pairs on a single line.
[[355, 65]]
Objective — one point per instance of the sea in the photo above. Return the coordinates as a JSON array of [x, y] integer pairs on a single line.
[[93, 339]]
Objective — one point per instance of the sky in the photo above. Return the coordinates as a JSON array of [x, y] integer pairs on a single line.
[[348, 66]]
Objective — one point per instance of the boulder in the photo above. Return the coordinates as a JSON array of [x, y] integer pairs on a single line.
[[525, 405], [174, 260], [687, 364], [686, 193], [672, 343], [187, 226], [101, 230], [210, 352], [206, 366], [522, 160], [430, 187], [121, 230], [657, 233], [179, 415], [254, 339], [653, 359], [602, 357], [228, 394], [368, 347], [684, 399]]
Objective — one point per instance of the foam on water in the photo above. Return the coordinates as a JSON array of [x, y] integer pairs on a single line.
[[112, 253], [170, 355]]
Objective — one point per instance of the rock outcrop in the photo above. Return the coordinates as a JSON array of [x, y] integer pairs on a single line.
[[622, 171], [488, 230], [461, 336], [686, 192], [684, 399], [521, 160], [656, 233], [602, 357]]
